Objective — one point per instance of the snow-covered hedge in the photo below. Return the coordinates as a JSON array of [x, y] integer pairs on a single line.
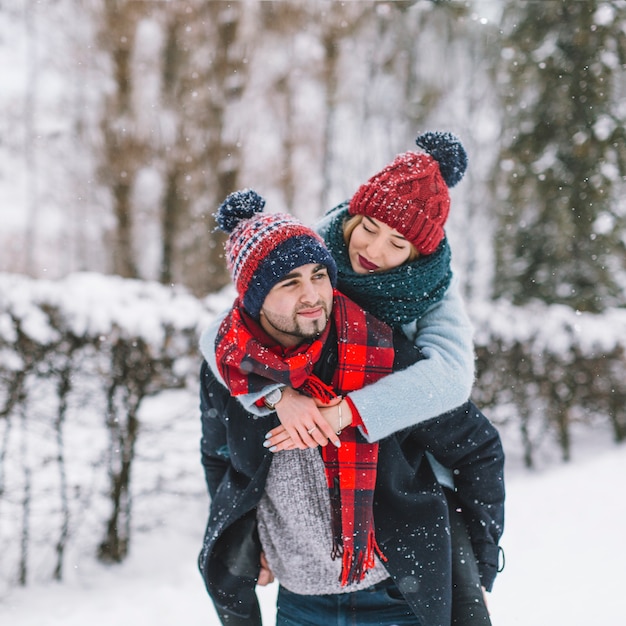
[[98, 403], [77, 359], [544, 369]]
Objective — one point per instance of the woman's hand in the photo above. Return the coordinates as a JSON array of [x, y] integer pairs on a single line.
[[303, 423], [338, 415]]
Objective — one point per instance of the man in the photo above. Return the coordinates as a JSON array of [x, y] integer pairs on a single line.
[[361, 529]]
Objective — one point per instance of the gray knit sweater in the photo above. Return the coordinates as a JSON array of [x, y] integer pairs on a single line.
[[294, 526]]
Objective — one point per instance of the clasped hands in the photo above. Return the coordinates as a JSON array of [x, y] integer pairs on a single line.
[[307, 423]]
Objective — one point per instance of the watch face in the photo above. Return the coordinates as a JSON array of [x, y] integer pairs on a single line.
[[274, 396]]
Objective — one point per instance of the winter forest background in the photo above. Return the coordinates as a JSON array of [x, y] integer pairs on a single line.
[[123, 124]]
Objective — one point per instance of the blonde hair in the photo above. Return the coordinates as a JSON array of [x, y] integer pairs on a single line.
[[350, 223]]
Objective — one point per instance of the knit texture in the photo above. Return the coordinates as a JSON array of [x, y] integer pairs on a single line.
[[264, 247], [397, 296], [411, 193], [294, 525]]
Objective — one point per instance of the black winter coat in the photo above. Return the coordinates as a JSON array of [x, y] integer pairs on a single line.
[[410, 510]]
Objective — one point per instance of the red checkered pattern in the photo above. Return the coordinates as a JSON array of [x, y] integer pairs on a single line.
[[365, 354]]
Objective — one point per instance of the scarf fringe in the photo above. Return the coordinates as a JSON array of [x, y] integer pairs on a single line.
[[335, 518], [316, 388], [356, 563]]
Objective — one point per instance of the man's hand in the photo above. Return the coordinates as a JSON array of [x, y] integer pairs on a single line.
[[302, 424], [265, 573]]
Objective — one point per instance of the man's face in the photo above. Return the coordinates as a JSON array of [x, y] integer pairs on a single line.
[[298, 307]]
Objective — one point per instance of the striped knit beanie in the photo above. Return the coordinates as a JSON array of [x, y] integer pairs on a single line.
[[411, 193], [262, 248]]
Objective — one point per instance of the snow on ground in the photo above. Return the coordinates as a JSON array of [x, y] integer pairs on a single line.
[[565, 546], [565, 562]]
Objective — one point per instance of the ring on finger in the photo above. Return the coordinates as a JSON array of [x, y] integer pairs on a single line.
[[311, 429]]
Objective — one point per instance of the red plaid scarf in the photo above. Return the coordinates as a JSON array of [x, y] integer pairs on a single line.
[[365, 351]]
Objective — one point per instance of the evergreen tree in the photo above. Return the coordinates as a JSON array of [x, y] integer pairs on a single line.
[[564, 155]]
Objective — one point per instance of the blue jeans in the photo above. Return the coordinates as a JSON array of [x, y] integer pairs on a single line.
[[379, 605]]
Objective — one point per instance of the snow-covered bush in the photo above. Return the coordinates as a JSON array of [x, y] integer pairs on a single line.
[[77, 358], [544, 368]]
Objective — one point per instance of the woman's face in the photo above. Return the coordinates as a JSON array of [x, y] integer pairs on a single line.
[[376, 247]]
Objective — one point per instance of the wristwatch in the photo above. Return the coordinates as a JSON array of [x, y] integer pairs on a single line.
[[273, 398]]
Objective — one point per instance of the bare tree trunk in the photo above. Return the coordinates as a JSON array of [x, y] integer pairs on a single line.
[[124, 151], [123, 255], [63, 389], [26, 501], [30, 143], [527, 443], [131, 367], [331, 57], [171, 218], [199, 90], [617, 413], [114, 547], [563, 430]]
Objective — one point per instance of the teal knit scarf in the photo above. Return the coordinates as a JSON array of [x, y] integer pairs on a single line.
[[397, 296]]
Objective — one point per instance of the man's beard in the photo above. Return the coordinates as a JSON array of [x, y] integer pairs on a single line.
[[293, 327]]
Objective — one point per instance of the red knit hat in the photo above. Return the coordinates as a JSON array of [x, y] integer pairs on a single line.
[[411, 193]]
